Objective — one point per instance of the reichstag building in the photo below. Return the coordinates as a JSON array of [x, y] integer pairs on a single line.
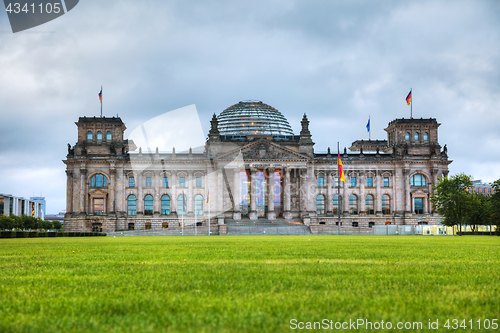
[[251, 168]]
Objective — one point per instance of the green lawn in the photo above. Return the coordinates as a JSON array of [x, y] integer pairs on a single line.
[[244, 283]]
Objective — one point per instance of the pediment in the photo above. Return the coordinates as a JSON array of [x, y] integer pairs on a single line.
[[264, 150], [420, 191], [98, 191]]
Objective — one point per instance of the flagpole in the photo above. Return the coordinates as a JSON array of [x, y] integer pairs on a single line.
[[411, 103], [369, 129], [101, 101], [339, 202]]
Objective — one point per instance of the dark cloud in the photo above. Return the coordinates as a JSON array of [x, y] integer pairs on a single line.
[[337, 61]]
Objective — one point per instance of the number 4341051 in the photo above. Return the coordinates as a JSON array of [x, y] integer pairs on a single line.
[[48, 8]]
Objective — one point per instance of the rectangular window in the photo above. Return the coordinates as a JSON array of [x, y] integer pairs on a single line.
[[369, 181], [131, 182], [355, 224], [147, 226], [419, 205], [386, 181], [1, 205], [165, 181], [198, 181], [353, 181], [98, 206], [182, 181], [148, 181], [321, 182]]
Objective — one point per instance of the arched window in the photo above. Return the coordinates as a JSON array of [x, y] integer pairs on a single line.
[[386, 204], [198, 205], [337, 204], [148, 205], [98, 181], [426, 136], [89, 135], [131, 205], [109, 136], [418, 180], [370, 206], [416, 136], [99, 135], [182, 205], [165, 205], [320, 205], [407, 136], [353, 204]]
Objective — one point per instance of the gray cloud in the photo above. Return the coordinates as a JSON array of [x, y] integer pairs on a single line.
[[339, 62]]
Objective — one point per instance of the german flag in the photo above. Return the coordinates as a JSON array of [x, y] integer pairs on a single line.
[[100, 96], [408, 98], [341, 169]]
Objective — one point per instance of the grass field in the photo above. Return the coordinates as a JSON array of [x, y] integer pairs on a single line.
[[244, 283]]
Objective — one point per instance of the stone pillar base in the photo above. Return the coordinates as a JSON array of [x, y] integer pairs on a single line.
[[271, 216], [253, 215], [287, 215], [237, 216], [220, 220]]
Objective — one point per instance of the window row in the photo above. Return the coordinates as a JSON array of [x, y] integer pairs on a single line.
[[148, 182], [165, 205], [416, 136], [90, 135], [353, 204], [354, 182]]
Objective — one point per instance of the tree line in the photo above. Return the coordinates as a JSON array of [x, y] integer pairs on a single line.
[[26, 222], [459, 206]]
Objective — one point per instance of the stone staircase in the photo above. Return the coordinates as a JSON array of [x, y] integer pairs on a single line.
[[264, 226]]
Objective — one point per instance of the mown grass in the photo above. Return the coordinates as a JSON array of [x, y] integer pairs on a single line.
[[242, 284]]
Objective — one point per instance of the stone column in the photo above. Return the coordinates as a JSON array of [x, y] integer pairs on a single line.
[[69, 193], [236, 195], [157, 195], [303, 190], [140, 197], [112, 189], [345, 197], [220, 192], [253, 201], [287, 214], [378, 195], [330, 184], [189, 195], [172, 183], [271, 215], [83, 189], [406, 182], [361, 199]]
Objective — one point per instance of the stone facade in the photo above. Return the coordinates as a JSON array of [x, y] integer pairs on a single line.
[[111, 187]]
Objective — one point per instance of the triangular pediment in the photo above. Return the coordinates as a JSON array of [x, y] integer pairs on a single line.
[[98, 191], [264, 150], [419, 191]]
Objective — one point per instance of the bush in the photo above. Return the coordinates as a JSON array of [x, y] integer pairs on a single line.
[[71, 234], [33, 234], [43, 234], [52, 234], [8, 234], [22, 234], [59, 234]]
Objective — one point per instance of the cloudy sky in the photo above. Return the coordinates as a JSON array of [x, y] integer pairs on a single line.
[[338, 61]]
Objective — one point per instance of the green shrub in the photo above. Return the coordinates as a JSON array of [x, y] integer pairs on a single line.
[[52, 234], [8, 234], [71, 234], [22, 234], [33, 234], [43, 234], [59, 234]]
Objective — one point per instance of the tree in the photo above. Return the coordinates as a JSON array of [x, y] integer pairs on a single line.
[[495, 206], [47, 225], [28, 222], [5, 222], [57, 225], [452, 199], [480, 211], [17, 222]]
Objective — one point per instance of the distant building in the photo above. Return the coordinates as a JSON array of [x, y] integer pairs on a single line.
[[42, 201], [18, 206], [253, 167], [55, 217], [480, 187]]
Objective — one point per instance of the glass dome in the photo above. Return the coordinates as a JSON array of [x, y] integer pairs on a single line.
[[253, 118]]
